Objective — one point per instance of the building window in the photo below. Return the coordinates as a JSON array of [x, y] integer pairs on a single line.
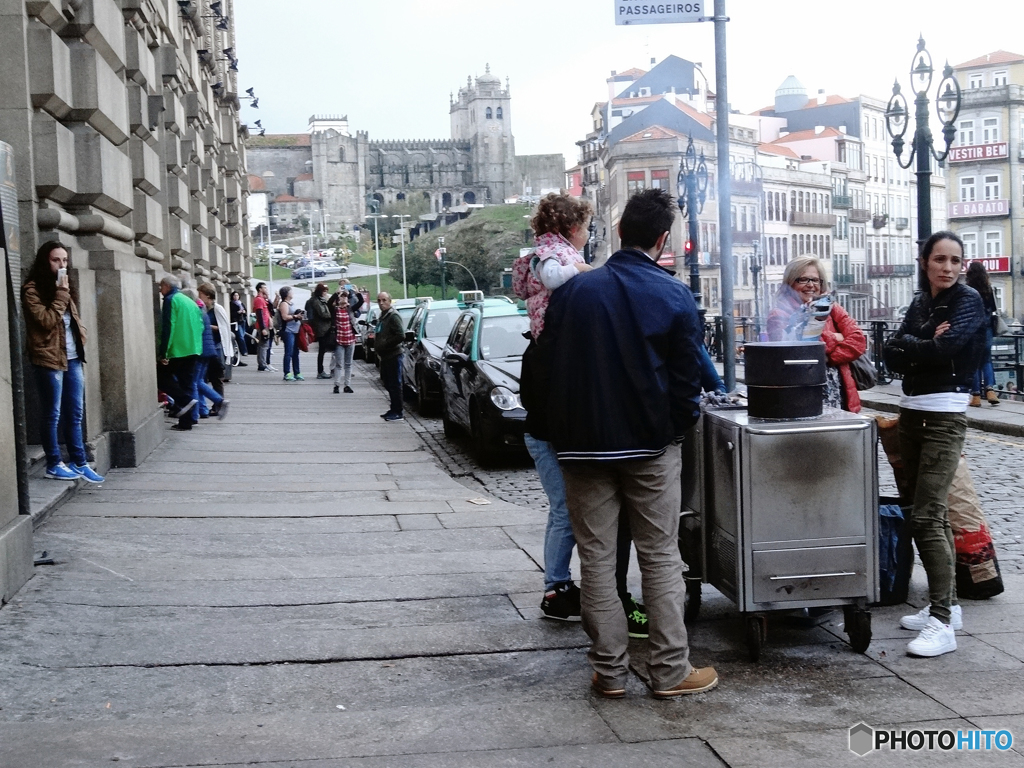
[[997, 294], [500, 115], [488, 114], [634, 182], [992, 187], [659, 179], [977, 80], [999, 78], [990, 130], [993, 244], [967, 189]]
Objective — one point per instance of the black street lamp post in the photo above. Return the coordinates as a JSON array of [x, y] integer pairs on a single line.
[[755, 271], [693, 177], [897, 120]]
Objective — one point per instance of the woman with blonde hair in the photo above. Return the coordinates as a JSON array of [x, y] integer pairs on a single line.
[[803, 310]]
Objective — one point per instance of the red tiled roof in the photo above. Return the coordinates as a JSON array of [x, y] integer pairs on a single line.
[[833, 99], [771, 149], [632, 72], [808, 134], [653, 133], [994, 58], [304, 177], [256, 184], [701, 117], [636, 100], [290, 199], [279, 140]]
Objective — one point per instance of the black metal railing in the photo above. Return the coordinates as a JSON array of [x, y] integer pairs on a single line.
[[1007, 351]]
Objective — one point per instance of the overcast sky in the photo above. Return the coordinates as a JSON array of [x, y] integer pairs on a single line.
[[391, 64]]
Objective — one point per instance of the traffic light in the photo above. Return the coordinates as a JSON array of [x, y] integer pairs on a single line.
[[688, 250]]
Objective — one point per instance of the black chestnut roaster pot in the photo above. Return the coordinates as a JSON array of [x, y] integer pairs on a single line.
[[785, 379]]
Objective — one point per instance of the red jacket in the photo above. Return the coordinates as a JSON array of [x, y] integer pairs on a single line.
[[841, 353]]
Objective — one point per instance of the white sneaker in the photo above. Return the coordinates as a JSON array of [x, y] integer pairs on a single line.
[[919, 620], [935, 639]]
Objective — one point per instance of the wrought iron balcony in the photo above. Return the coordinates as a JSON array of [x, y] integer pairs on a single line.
[[746, 188], [843, 278], [879, 220], [904, 270], [860, 215], [805, 219], [880, 270], [842, 201], [745, 238], [902, 223]]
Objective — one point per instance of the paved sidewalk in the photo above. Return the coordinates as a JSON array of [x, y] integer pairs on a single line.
[[303, 585]]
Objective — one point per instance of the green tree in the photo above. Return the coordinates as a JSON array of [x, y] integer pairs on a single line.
[[485, 243]]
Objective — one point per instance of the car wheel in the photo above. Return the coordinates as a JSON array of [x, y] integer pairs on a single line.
[[484, 450], [451, 429], [423, 403]]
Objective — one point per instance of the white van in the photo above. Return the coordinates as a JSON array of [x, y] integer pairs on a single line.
[[277, 251]]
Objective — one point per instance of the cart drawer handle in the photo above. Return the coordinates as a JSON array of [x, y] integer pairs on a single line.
[[800, 362], [812, 576]]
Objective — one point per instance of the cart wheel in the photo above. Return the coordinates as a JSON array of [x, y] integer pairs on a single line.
[[858, 627], [757, 630], [691, 608]]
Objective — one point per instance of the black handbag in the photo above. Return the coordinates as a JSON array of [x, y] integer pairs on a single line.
[[864, 374]]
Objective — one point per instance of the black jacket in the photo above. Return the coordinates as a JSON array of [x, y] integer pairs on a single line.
[[625, 361], [389, 336], [946, 363]]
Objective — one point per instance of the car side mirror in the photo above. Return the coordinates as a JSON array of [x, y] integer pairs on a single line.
[[410, 336], [456, 359]]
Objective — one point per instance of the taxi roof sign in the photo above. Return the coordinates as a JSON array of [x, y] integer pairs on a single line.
[[646, 12]]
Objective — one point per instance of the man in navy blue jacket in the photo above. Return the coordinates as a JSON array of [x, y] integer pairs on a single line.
[[623, 388]]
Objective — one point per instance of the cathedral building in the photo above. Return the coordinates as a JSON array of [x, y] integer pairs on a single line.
[[345, 175]]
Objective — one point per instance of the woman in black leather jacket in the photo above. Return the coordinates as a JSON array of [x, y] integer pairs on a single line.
[[937, 349]]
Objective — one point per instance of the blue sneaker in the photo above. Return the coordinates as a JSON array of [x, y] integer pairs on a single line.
[[62, 472], [87, 473]]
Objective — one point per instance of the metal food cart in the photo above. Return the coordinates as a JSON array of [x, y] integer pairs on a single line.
[[782, 515]]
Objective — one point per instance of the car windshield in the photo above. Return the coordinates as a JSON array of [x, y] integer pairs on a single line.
[[503, 336], [405, 313], [440, 322]]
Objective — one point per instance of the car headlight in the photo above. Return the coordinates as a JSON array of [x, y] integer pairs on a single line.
[[505, 399], [435, 365]]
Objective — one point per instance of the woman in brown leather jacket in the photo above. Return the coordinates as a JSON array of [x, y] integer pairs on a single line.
[[56, 348]]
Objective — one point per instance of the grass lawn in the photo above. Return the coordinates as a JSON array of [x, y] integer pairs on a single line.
[[280, 273]]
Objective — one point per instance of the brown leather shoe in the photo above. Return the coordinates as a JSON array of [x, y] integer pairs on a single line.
[[608, 693], [992, 397], [698, 681], [975, 401]]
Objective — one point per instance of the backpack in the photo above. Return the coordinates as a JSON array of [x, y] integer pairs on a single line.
[[278, 322], [521, 275]]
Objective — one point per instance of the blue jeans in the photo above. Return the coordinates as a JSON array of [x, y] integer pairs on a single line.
[[202, 391], [558, 538], [243, 347], [985, 376], [291, 352], [62, 392]]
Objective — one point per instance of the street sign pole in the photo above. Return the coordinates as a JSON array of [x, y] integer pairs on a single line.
[[728, 268], [628, 12]]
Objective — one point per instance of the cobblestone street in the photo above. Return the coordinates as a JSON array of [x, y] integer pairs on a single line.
[[996, 462]]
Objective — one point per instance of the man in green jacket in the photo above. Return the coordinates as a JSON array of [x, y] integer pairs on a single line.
[[181, 344], [388, 339]]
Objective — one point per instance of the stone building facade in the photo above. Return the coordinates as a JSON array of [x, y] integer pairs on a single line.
[[477, 165], [123, 118]]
